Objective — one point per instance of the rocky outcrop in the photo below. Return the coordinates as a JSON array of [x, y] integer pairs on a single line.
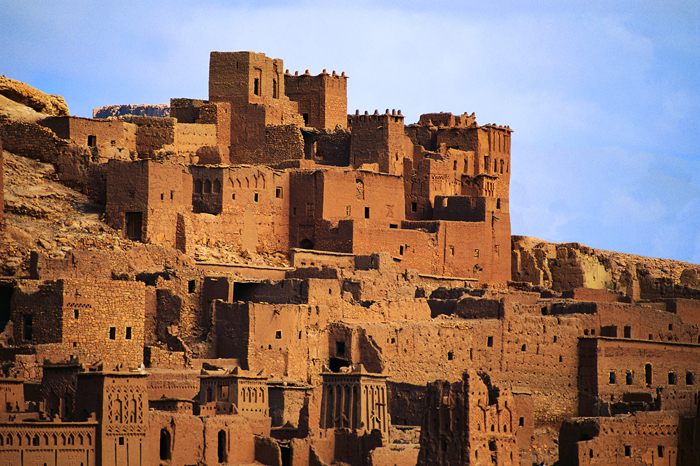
[[49, 104], [567, 266], [159, 110]]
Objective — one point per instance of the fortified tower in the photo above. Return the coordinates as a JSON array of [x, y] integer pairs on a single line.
[[379, 139], [322, 99], [355, 400], [120, 400]]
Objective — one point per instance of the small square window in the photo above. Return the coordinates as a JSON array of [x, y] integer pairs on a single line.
[[278, 334], [278, 192], [628, 450], [121, 440]]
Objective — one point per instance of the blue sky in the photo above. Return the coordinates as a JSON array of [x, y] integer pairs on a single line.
[[604, 97]]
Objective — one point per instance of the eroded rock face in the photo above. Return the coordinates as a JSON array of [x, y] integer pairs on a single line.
[[159, 110], [567, 266], [17, 91]]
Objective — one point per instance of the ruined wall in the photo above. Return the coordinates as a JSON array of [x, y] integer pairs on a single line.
[[188, 138], [469, 422], [152, 134], [30, 140]]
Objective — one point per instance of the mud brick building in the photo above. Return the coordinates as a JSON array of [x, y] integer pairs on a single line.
[[409, 327], [90, 319]]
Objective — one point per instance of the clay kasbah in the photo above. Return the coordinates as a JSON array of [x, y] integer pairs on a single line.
[[266, 278]]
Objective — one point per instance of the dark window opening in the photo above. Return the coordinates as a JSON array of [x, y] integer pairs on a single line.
[[216, 186], [492, 444], [164, 444], [414, 206], [294, 211], [128, 333], [647, 374], [306, 118], [393, 225], [450, 355], [689, 379], [207, 187], [611, 377], [672, 378], [76, 313], [134, 225], [274, 88], [278, 335], [191, 286], [256, 196], [256, 91], [521, 421], [121, 440], [628, 450], [28, 327], [660, 451], [172, 195], [366, 212], [278, 193], [670, 327], [221, 447], [306, 244], [628, 331], [628, 378], [92, 140], [233, 196], [489, 342], [522, 348], [401, 250], [340, 348], [334, 364], [113, 333], [198, 186], [443, 444], [162, 196], [454, 165], [498, 203]]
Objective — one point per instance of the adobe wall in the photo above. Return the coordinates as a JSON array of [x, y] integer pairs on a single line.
[[613, 370], [328, 147], [645, 438], [93, 132], [188, 138], [320, 198], [49, 442], [282, 142], [152, 134], [98, 320], [253, 203], [157, 191], [30, 140]]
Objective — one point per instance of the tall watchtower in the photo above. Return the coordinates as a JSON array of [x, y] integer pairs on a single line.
[[120, 400]]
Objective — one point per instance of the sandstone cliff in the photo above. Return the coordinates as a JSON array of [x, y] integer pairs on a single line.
[[159, 110], [51, 105], [566, 266]]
